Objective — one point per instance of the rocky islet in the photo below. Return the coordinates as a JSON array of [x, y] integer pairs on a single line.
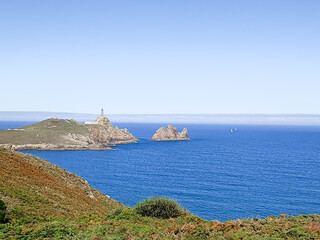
[[170, 133]]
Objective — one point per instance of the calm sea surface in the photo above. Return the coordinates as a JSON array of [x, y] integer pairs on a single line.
[[255, 172]]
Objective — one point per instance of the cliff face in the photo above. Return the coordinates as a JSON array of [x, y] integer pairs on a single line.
[[170, 134], [105, 133], [61, 134]]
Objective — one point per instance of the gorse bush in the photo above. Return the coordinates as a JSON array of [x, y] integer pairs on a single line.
[[3, 208], [159, 207]]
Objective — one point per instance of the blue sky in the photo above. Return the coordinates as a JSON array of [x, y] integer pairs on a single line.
[[160, 56]]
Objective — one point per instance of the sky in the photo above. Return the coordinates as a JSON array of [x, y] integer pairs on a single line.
[[160, 57]]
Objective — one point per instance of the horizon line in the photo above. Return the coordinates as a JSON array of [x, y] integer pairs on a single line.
[[257, 114]]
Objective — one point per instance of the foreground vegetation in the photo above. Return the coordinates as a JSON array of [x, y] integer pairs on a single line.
[[42, 201], [127, 224]]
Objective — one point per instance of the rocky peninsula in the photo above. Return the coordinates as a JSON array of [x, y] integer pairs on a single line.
[[66, 134], [170, 134]]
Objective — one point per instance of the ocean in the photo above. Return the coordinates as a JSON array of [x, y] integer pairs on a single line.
[[256, 171]]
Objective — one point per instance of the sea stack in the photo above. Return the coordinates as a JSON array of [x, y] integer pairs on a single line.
[[170, 134]]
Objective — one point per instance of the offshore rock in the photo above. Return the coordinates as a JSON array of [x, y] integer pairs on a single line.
[[170, 134], [66, 134]]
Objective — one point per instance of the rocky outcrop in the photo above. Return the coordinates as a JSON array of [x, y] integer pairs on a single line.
[[170, 134], [65, 134], [105, 133]]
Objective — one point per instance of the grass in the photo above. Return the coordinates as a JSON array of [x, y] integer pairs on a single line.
[[130, 225], [50, 131]]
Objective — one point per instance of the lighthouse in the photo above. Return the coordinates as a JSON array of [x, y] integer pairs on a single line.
[[100, 120]]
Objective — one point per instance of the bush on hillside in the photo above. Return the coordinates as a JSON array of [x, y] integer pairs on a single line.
[[159, 207], [3, 208]]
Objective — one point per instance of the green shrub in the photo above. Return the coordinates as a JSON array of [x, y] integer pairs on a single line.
[[3, 208], [54, 231], [159, 207], [298, 232]]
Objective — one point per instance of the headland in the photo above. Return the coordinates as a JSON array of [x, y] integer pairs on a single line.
[[66, 134]]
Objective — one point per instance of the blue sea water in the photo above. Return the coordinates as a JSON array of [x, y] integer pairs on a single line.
[[255, 172]]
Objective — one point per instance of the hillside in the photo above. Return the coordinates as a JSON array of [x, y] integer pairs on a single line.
[[40, 188], [46, 202], [65, 134]]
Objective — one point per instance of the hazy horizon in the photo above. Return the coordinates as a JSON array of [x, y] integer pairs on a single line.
[[253, 119]]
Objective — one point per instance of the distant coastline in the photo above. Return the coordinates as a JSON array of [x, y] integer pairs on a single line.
[[252, 119]]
